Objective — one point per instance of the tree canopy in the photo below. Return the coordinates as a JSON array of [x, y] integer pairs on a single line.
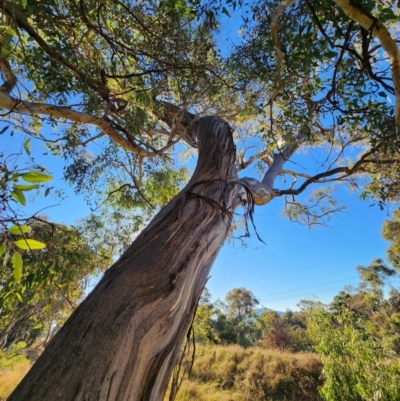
[[132, 78]]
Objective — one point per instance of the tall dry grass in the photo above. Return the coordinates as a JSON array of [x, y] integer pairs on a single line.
[[223, 373], [12, 370], [232, 373]]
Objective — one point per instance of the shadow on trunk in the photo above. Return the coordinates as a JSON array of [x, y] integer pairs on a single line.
[[123, 341]]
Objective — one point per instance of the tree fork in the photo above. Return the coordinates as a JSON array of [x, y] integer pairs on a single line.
[[123, 341]]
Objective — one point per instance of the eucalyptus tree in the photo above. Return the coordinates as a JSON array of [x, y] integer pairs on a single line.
[[129, 85]]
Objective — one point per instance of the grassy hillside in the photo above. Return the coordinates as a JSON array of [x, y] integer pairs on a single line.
[[232, 373]]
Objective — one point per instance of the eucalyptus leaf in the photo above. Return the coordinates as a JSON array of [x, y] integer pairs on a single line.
[[29, 244], [17, 230], [3, 248], [23, 187], [17, 266], [18, 195], [35, 176], [27, 146]]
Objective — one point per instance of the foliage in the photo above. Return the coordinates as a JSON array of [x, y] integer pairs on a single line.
[[240, 303], [16, 182], [230, 323], [286, 332], [356, 365], [130, 78], [391, 233], [358, 338], [39, 294], [237, 322]]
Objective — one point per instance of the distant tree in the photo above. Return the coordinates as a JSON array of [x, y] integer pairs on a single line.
[[286, 332], [240, 313], [240, 303], [391, 233], [227, 323], [276, 333]]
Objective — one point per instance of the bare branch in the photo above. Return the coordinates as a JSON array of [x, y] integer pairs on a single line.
[[261, 155], [9, 78], [262, 192], [348, 171], [92, 139]]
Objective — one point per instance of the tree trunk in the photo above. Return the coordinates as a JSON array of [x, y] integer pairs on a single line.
[[123, 341]]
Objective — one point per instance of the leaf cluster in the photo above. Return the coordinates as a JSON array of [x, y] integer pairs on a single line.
[[39, 288]]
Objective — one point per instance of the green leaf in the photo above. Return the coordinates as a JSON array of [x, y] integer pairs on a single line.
[[17, 265], [27, 244], [35, 176], [6, 257], [17, 230], [10, 32], [47, 191], [24, 3], [2, 249], [3, 130], [330, 54], [27, 146], [19, 296], [225, 11], [4, 51], [19, 196], [23, 187], [382, 94]]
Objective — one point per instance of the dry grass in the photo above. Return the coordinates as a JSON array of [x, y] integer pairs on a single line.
[[12, 370], [232, 373], [223, 373]]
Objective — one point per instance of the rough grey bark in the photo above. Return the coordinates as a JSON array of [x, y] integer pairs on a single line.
[[123, 341]]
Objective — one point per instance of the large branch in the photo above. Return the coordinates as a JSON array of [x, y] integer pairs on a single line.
[[179, 120], [105, 125], [379, 31], [263, 191], [347, 170]]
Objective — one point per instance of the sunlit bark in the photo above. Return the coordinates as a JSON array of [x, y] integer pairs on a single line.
[[123, 340]]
